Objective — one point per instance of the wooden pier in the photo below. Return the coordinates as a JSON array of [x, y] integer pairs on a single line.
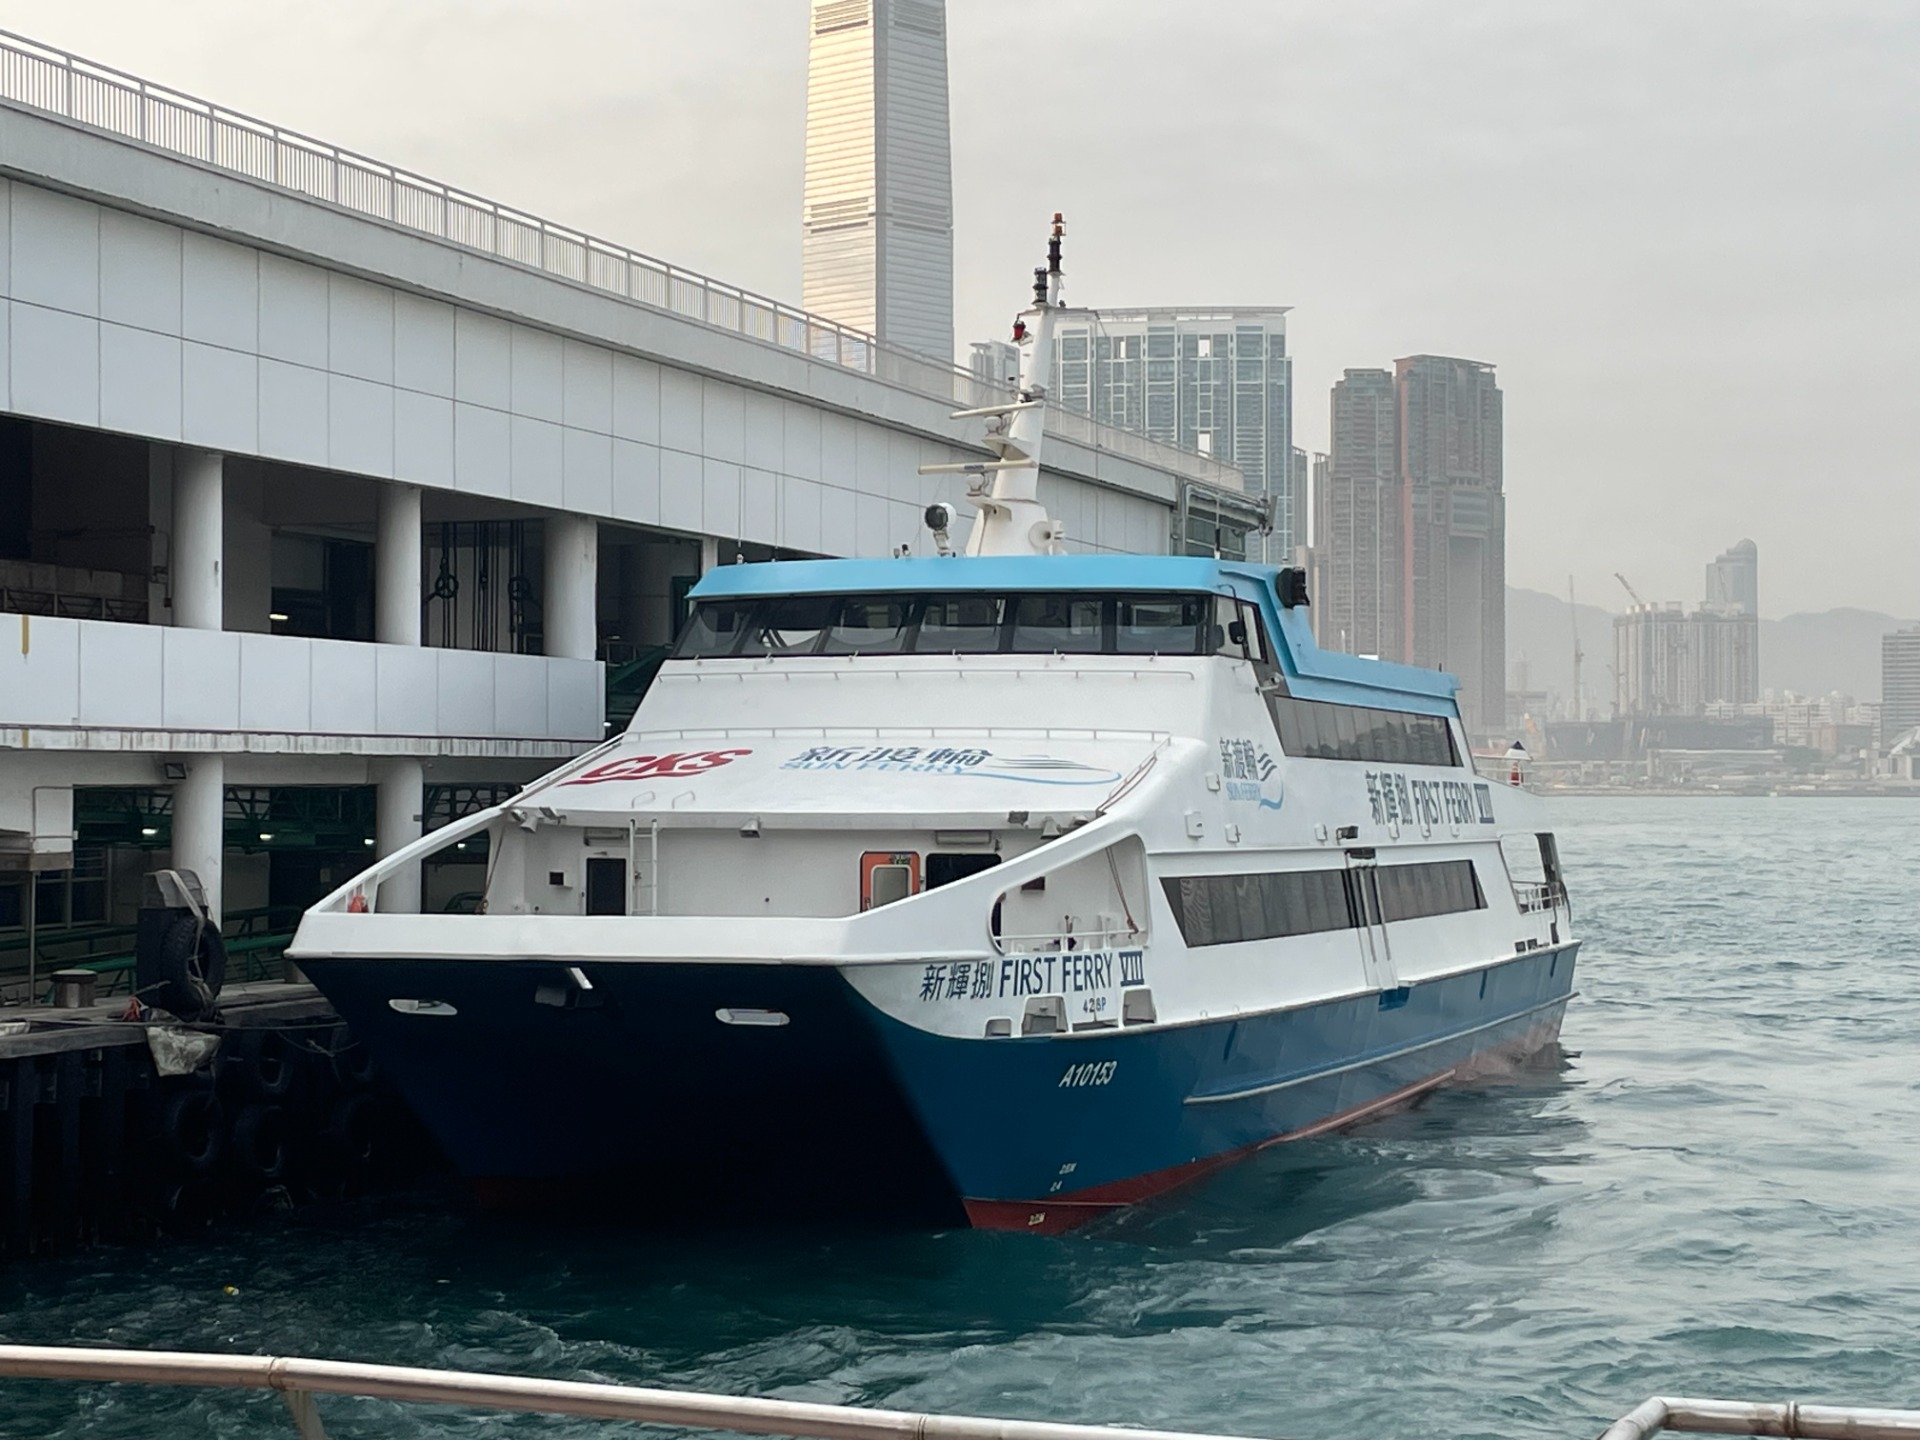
[[110, 1131]]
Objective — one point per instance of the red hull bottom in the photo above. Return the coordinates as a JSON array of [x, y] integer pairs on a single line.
[[1058, 1214]]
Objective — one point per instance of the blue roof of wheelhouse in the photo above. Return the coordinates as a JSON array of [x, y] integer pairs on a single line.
[[1312, 673]]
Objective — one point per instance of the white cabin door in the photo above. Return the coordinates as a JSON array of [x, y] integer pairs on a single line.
[[1369, 923]]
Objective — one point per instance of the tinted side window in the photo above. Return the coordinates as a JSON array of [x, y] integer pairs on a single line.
[[1318, 730], [1226, 909], [1160, 625], [714, 629], [791, 625], [1067, 624], [1436, 887], [961, 624], [872, 625]]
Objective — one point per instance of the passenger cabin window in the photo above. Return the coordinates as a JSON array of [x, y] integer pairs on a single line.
[[944, 868], [1065, 624], [794, 625], [1169, 625], [1319, 730], [1231, 909], [961, 625], [872, 625]]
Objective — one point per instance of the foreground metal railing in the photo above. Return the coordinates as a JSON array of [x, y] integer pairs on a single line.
[[299, 1381], [1741, 1417], [49, 79]]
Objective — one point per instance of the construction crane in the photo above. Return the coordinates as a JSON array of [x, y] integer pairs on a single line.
[[1573, 610], [1629, 589]]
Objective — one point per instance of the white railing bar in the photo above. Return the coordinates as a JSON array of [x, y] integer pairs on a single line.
[[1790, 1419], [532, 1395], [866, 355]]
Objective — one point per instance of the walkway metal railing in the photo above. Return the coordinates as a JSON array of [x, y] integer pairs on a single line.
[[44, 78], [299, 1381]]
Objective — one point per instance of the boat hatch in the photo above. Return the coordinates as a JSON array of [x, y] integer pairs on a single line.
[[887, 876]]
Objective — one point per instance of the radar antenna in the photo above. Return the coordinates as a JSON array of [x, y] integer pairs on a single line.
[[1005, 490]]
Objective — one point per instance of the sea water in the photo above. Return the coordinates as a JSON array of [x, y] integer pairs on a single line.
[[1715, 1191]]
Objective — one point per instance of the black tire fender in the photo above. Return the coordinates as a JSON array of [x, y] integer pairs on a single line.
[[192, 962], [194, 1124], [260, 1141], [350, 1129], [268, 1063]]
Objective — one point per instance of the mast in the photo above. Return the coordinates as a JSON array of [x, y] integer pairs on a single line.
[[1006, 490]]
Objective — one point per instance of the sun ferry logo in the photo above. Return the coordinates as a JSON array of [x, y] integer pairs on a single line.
[[1249, 771], [948, 760], [681, 766]]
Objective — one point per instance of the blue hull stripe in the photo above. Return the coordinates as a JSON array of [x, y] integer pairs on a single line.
[[1302, 1077]]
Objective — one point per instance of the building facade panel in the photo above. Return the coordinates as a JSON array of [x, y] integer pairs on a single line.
[[587, 472], [423, 345], [360, 326], [360, 426], [139, 272], [293, 311], [139, 381], [220, 293]]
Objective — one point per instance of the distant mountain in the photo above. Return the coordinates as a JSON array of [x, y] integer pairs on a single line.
[[1540, 632], [1830, 650], [1808, 653]]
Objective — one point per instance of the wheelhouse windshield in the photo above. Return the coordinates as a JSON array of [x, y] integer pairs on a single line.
[[1076, 622]]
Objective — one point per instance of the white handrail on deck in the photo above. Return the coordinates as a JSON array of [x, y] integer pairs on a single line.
[[300, 1380]]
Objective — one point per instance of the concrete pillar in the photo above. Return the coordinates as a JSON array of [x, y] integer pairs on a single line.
[[571, 613], [199, 529], [396, 567], [709, 553], [398, 806], [199, 822]]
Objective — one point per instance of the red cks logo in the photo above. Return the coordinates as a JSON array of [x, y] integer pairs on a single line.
[[659, 767]]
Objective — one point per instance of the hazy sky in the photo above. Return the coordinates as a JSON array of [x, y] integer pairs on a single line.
[[1685, 230]]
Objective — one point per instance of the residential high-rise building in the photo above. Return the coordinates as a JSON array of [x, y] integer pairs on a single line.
[[1667, 662], [1455, 598], [1733, 580], [1358, 600], [1899, 684], [1411, 530], [877, 231], [1216, 381]]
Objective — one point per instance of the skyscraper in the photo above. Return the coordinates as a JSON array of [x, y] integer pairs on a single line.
[[877, 230], [1358, 600], [1899, 684], [1217, 381], [1455, 550], [1411, 535], [1733, 580]]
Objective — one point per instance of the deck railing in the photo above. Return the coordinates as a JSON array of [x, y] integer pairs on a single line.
[[42, 77]]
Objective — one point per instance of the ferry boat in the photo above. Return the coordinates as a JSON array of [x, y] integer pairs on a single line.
[[1015, 886]]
